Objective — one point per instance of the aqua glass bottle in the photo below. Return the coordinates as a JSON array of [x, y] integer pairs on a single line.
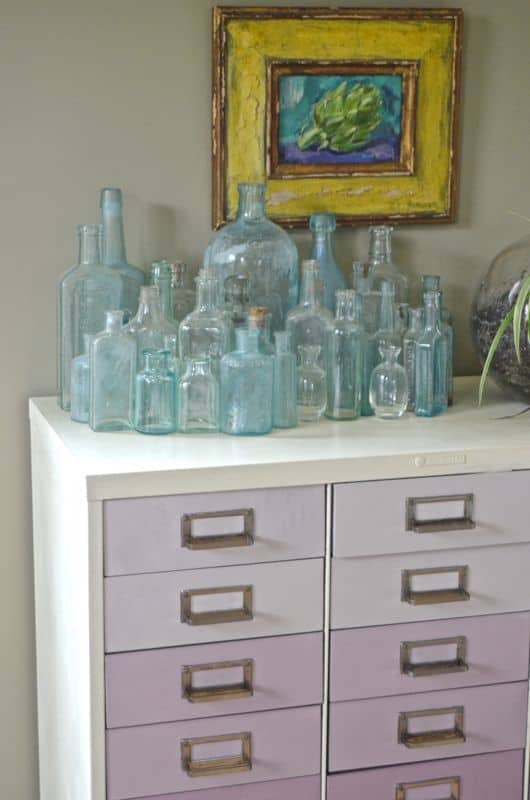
[[308, 322], [198, 398], [311, 394], [389, 330], [323, 228], [161, 275], [205, 333], [237, 297], [259, 319], [432, 353], [382, 267], [370, 323], [246, 387], [114, 256], [155, 406], [254, 245], [80, 384], [410, 342], [285, 383], [389, 385], [84, 293], [183, 293], [344, 345], [432, 283], [150, 328], [112, 372]]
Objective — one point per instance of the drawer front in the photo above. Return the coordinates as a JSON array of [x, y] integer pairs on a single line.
[[427, 656], [163, 534], [222, 751], [196, 606], [402, 516], [431, 725], [213, 679], [411, 587], [307, 788], [487, 777]]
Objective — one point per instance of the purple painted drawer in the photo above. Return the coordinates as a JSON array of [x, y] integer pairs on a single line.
[[152, 760], [158, 534], [422, 727], [424, 656], [295, 789], [213, 680], [495, 776]]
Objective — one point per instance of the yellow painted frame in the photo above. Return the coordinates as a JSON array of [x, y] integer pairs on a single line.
[[247, 39]]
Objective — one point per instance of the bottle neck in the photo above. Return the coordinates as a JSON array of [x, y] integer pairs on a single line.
[[323, 246], [388, 311], [380, 247], [149, 306], [309, 289], [156, 360], [344, 309], [180, 275], [390, 354], [415, 320], [114, 321], [89, 245], [432, 311], [161, 276], [251, 201], [247, 341], [195, 367], [207, 295]]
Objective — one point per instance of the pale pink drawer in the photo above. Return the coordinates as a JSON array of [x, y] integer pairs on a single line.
[[399, 516], [495, 776], [307, 788], [426, 656], [213, 605], [220, 751], [394, 730], [213, 679], [158, 534]]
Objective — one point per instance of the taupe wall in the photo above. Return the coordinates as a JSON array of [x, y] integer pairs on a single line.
[[118, 93]]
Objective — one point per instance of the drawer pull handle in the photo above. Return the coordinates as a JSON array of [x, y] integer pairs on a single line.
[[432, 596], [224, 765], [218, 616], [453, 784], [434, 738], [244, 538], [445, 525], [229, 691], [427, 669]]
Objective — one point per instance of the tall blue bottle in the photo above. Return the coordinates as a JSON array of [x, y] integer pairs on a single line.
[[344, 358], [323, 227], [285, 385], [114, 256], [431, 361], [431, 283], [246, 387], [112, 372]]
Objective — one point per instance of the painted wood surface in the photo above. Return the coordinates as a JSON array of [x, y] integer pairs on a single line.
[[307, 788]]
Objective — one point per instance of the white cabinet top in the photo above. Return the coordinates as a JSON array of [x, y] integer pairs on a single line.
[[127, 464]]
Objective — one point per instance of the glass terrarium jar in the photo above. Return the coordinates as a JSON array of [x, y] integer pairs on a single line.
[[495, 296], [254, 245]]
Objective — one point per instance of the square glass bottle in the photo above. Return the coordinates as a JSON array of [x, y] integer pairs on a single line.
[[112, 371]]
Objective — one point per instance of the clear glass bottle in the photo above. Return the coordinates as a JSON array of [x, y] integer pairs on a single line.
[[114, 256], [323, 228], [389, 394], [252, 244], [237, 297], [198, 398], [259, 319], [431, 361], [161, 275], [311, 395], [84, 293], [388, 331], [80, 384], [155, 407], [150, 328], [344, 343], [371, 302], [382, 267], [246, 387], [308, 322], [431, 283], [112, 372], [183, 294], [285, 383], [410, 341], [205, 332]]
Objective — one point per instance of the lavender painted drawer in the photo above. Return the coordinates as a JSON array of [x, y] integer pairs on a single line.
[[425, 656], [213, 679], [295, 789], [389, 730], [160, 759], [410, 587], [159, 534], [400, 516], [495, 776], [213, 605]]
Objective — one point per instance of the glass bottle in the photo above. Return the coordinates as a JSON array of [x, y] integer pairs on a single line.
[[150, 328], [114, 256], [84, 293], [370, 323], [161, 275], [285, 387], [198, 398], [361, 276], [259, 319], [382, 268], [80, 384], [344, 361], [410, 341], [236, 289], [112, 371], [388, 331], [311, 395], [308, 322], [246, 387], [205, 332], [323, 228], [389, 394], [155, 407], [432, 283], [431, 361], [183, 294], [252, 244]]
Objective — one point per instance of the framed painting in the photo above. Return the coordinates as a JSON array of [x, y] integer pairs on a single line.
[[352, 111]]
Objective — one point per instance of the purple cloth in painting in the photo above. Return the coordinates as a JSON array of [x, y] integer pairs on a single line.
[[384, 150]]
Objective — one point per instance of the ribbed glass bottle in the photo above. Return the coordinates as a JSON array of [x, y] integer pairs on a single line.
[[308, 322], [344, 344], [112, 372], [323, 250], [246, 387], [431, 283], [205, 332], [431, 361], [155, 408], [150, 328], [198, 398], [410, 342], [114, 255], [382, 267], [284, 405]]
